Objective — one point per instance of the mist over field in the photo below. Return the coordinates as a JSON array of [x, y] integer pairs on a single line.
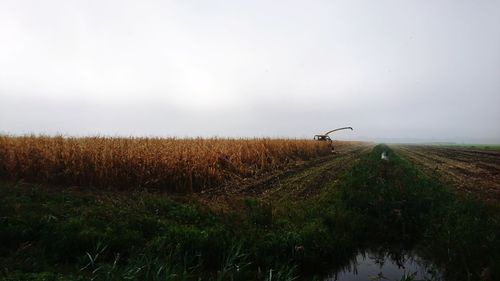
[[249, 140], [409, 71]]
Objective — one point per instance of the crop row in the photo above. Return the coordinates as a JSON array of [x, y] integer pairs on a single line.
[[179, 165]]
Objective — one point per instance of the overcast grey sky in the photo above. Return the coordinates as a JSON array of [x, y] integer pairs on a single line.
[[403, 70]]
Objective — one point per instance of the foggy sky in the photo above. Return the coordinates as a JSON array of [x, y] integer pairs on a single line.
[[393, 70]]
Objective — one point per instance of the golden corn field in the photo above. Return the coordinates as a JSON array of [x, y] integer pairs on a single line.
[[180, 165]]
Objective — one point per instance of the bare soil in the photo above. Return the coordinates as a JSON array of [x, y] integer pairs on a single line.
[[472, 171]]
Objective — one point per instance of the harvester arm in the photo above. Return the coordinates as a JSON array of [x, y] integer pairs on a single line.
[[344, 128]]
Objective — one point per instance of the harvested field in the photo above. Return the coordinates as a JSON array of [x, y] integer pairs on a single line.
[[179, 165], [301, 181], [472, 171]]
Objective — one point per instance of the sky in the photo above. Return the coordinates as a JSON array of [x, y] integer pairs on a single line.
[[393, 70]]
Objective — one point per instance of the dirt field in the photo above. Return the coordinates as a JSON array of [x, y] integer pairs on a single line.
[[302, 181], [473, 171]]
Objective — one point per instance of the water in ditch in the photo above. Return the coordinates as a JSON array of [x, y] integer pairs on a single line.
[[370, 265]]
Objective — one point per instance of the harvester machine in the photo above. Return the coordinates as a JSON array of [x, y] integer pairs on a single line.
[[326, 137]]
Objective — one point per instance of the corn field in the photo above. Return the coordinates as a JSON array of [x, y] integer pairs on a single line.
[[177, 165]]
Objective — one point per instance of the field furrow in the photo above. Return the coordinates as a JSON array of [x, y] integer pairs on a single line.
[[471, 171], [300, 182]]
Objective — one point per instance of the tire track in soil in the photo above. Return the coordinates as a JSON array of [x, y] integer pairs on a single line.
[[471, 171], [304, 181]]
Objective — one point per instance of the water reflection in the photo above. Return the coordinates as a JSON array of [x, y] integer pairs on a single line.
[[380, 265]]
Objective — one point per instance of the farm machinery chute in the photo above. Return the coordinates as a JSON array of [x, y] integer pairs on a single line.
[[326, 137]]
